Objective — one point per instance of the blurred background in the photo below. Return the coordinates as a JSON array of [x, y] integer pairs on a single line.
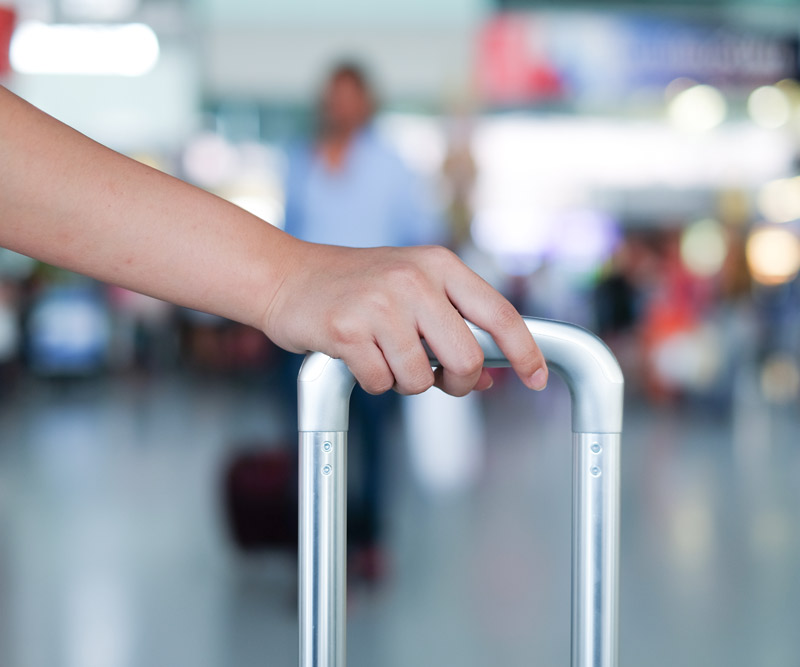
[[632, 167]]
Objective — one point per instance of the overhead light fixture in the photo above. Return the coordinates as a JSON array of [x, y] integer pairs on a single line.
[[129, 49]]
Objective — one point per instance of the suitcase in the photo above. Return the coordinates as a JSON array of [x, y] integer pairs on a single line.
[[595, 383], [260, 498]]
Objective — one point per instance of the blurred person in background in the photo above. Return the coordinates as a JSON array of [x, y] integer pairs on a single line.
[[347, 186]]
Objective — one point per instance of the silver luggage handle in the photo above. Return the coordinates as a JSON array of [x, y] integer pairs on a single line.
[[595, 383]]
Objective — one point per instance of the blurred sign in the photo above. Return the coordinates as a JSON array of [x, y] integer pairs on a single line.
[[7, 19], [514, 62], [536, 57]]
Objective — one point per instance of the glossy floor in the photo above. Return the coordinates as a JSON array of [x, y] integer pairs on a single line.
[[113, 551]]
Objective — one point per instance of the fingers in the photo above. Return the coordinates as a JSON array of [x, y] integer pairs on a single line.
[[408, 370], [485, 381], [378, 323], [370, 369], [459, 354], [407, 359], [398, 359], [479, 302]]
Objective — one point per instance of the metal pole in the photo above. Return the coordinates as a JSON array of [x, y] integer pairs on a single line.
[[595, 549], [323, 548]]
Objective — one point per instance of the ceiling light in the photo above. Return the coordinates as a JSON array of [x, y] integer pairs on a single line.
[[89, 49]]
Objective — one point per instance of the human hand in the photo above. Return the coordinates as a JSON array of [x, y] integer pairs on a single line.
[[371, 307]]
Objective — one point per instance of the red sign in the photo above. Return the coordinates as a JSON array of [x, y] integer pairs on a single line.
[[7, 19], [513, 62]]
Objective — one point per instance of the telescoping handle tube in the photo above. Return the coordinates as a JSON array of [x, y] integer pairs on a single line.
[[595, 382]]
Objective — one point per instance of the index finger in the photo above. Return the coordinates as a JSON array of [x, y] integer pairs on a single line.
[[480, 303]]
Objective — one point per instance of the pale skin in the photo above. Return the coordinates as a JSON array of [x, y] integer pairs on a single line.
[[70, 202]]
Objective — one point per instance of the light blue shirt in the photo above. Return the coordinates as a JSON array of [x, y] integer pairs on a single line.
[[372, 199]]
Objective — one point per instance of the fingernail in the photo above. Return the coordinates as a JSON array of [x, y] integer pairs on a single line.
[[539, 380], [481, 386]]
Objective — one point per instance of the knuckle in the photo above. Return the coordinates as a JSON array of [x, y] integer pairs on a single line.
[[418, 382], [440, 254], [468, 363], [344, 330], [406, 275], [377, 383], [379, 302], [531, 360], [506, 317]]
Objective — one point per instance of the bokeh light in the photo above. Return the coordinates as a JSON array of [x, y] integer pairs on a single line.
[[779, 200], [209, 160], [773, 255], [698, 109], [583, 239], [690, 359], [769, 107], [704, 247], [93, 49]]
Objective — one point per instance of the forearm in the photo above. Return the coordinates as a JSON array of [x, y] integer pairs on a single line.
[[73, 203]]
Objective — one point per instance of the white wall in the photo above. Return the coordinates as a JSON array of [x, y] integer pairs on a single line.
[[280, 49], [287, 63], [342, 11]]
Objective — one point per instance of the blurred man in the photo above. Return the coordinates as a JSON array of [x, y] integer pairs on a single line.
[[348, 187]]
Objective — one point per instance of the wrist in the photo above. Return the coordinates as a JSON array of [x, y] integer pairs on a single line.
[[286, 257]]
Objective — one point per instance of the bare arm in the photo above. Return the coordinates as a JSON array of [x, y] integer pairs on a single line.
[[73, 203]]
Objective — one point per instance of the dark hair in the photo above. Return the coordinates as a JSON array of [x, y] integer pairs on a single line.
[[350, 69], [354, 72]]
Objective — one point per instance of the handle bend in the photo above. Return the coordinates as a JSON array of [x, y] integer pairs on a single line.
[[588, 367]]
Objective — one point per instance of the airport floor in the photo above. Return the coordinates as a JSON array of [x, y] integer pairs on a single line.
[[114, 553]]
